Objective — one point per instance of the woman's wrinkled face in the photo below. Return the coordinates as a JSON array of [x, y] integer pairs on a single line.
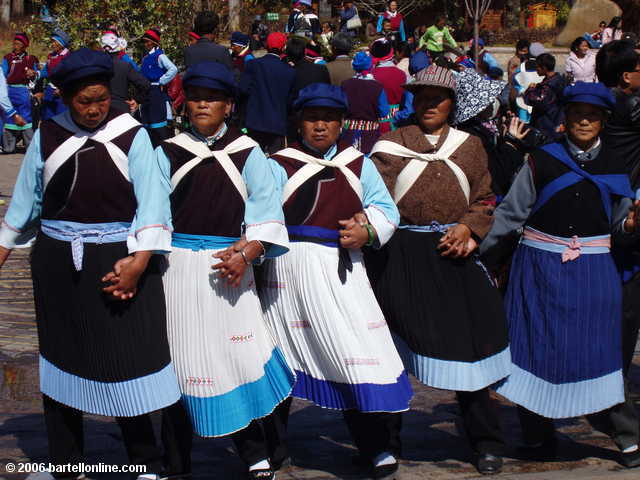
[[320, 127], [584, 122], [207, 109], [433, 105], [90, 105]]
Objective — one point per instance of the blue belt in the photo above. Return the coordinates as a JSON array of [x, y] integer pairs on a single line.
[[80, 233], [201, 242], [433, 227]]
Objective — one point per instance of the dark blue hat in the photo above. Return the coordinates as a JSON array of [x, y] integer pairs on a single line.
[[419, 61], [81, 64], [362, 61], [239, 38], [321, 95], [592, 93], [214, 75], [61, 37]]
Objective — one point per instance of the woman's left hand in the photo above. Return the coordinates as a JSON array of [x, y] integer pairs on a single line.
[[633, 218], [233, 265], [353, 233], [125, 275], [457, 242]]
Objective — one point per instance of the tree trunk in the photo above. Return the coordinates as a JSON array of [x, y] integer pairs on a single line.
[[234, 14], [17, 8], [630, 15], [5, 12]]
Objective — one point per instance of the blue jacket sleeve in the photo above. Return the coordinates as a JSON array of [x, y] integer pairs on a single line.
[[5, 101], [23, 217], [383, 105], [5, 66], [379, 26], [151, 227], [264, 219], [406, 110], [378, 205], [403, 34], [171, 69]]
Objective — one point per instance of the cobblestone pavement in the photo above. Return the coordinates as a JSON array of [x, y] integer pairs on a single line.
[[320, 444]]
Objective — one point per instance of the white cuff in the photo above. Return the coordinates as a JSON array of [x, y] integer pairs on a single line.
[[273, 232], [156, 238], [384, 227], [11, 237]]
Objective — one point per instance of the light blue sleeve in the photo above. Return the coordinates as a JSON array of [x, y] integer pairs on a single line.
[[378, 205], [165, 169], [169, 66], [491, 61], [5, 101], [383, 105], [263, 216], [379, 27], [22, 218], [403, 34], [5, 66], [151, 227]]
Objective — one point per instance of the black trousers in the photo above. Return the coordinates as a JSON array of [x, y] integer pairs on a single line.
[[66, 438], [621, 421], [269, 142], [177, 439], [480, 419]]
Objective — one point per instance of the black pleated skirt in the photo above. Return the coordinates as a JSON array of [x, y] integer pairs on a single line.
[[446, 314], [100, 355]]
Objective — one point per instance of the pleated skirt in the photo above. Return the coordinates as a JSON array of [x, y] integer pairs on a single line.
[[564, 323], [21, 100], [99, 355], [446, 315], [333, 334], [229, 369]]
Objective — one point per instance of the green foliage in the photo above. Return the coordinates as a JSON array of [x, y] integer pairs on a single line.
[[84, 21]]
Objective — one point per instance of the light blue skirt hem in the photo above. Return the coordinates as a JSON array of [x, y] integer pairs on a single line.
[[232, 411], [454, 375], [565, 400], [129, 398]]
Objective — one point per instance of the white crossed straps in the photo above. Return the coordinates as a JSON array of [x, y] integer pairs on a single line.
[[419, 162], [105, 135], [201, 152], [315, 165]]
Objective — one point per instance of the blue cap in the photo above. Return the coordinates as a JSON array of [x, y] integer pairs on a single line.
[[214, 75], [80, 64], [362, 61], [61, 37], [593, 93], [419, 61], [239, 38], [321, 95], [304, 2]]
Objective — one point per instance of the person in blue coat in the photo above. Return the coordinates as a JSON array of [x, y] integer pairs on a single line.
[[266, 87]]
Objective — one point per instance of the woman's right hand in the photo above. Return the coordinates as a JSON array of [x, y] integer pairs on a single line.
[[517, 128]]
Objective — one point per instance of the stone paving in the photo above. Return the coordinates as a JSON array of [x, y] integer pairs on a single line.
[[320, 444]]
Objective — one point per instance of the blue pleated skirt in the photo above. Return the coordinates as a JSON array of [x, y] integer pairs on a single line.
[[21, 100], [564, 324]]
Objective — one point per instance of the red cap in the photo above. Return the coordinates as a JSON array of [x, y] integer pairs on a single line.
[[22, 37], [194, 35], [153, 35], [276, 40]]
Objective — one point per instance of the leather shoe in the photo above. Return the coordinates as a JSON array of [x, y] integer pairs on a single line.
[[488, 464], [631, 459]]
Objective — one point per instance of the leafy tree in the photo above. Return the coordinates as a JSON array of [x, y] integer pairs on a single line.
[[84, 21]]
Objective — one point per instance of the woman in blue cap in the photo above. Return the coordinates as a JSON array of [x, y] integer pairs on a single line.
[[367, 103], [240, 50], [91, 185], [52, 103], [564, 294], [226, 210], [318, 299], [159, 70]]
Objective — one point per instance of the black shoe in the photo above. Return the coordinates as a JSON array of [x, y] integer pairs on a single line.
[[631, 459], [264, 474], [281, 465], [386, 472], [488, 464]]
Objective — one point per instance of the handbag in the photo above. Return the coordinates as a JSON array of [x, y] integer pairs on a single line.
[[354, 22]]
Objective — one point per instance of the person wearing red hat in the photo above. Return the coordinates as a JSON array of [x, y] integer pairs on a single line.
[[390, 76], [159, 70], [17, 67], [265, 90], [193, 37]]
